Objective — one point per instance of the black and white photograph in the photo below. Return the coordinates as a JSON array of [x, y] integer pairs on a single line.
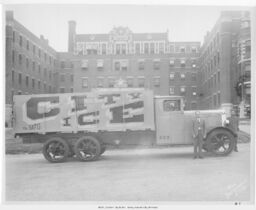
[[140, 104]]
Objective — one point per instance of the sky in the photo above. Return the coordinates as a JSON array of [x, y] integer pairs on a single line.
[[185, 23]]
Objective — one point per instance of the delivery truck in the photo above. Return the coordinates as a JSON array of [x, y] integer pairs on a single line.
[[85, 124]]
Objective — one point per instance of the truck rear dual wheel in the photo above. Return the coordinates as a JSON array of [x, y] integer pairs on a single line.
[[56, 150], [220, 142], [87, 148]]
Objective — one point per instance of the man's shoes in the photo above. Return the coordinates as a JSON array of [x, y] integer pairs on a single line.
[[236, 150]]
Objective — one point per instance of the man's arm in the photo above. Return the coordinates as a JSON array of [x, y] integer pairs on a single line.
[[193, 129], [204, 130]]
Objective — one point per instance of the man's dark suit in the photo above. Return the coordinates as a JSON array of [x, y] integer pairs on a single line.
[[199, 133]]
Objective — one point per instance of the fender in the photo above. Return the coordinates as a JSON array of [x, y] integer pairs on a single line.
[[211, 129]]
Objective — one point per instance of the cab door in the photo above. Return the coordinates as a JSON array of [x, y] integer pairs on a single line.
[[169, 121]]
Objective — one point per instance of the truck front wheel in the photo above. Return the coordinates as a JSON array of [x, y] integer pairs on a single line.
[[56, 150], [220, 142], [87, 148]]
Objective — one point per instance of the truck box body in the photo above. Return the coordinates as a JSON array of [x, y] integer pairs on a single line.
[[96, 111]]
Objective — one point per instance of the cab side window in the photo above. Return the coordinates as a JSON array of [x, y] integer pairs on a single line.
[[171, 105]]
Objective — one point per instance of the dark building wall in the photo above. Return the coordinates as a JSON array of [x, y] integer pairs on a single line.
[[30, 61]]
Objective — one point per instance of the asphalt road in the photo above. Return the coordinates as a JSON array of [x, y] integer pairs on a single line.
[[166, 174]]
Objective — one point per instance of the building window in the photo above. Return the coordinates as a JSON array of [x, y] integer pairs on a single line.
[[62, 90], [218, 77], [62, 77], [137, 48], [50, 75], [141, 64], [20, 41], [45, 88], [104, 49], [157, 81], [182, 49], [218, 98], [247, 49], [214, 100], [123, 49], [171, 48], [171, 63], [33, 83], [141, 82], [172, 90], [34, 66], [50, 88], [39, 69], [193, 49], [100, 65], [45, 56], [71, 90], [124, 65], [161, 48], [20, 59], [34, 49], [130, 82], [111, 82], [182, 76], [172, 75], [20, 79], [118, 50], [71, 78], [85, 82], [39, 53], [13, 57], [13, 77], [39, 85], [183, 63], [152, 48], [13, 36], [27, 81], [193, 106], [183, 90], [100, 82], [193, 77], [45, 73], [27, 63], [194, 91], [27, 45], [62, 64], [117, 66], [146, 48], [84, 64], [156, 64]]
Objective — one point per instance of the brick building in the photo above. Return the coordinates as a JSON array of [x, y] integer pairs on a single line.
[[208, 76], [145, 60], [30, 61], [219, 69]]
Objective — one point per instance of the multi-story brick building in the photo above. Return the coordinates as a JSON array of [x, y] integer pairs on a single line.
[[145, 60], [208, 77], [243, 85], [219, 70], [30, 61]]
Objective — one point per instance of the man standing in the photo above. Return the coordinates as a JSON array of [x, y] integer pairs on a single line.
[[199, 133], [234, 126]]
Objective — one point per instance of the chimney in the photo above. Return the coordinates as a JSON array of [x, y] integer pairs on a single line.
[[71, 35]]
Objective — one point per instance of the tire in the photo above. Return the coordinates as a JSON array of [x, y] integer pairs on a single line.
[[220, 142], [102, 149], [56, 150], [87, 148]]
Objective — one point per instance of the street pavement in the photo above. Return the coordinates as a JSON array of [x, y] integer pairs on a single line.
[[152, 174]]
